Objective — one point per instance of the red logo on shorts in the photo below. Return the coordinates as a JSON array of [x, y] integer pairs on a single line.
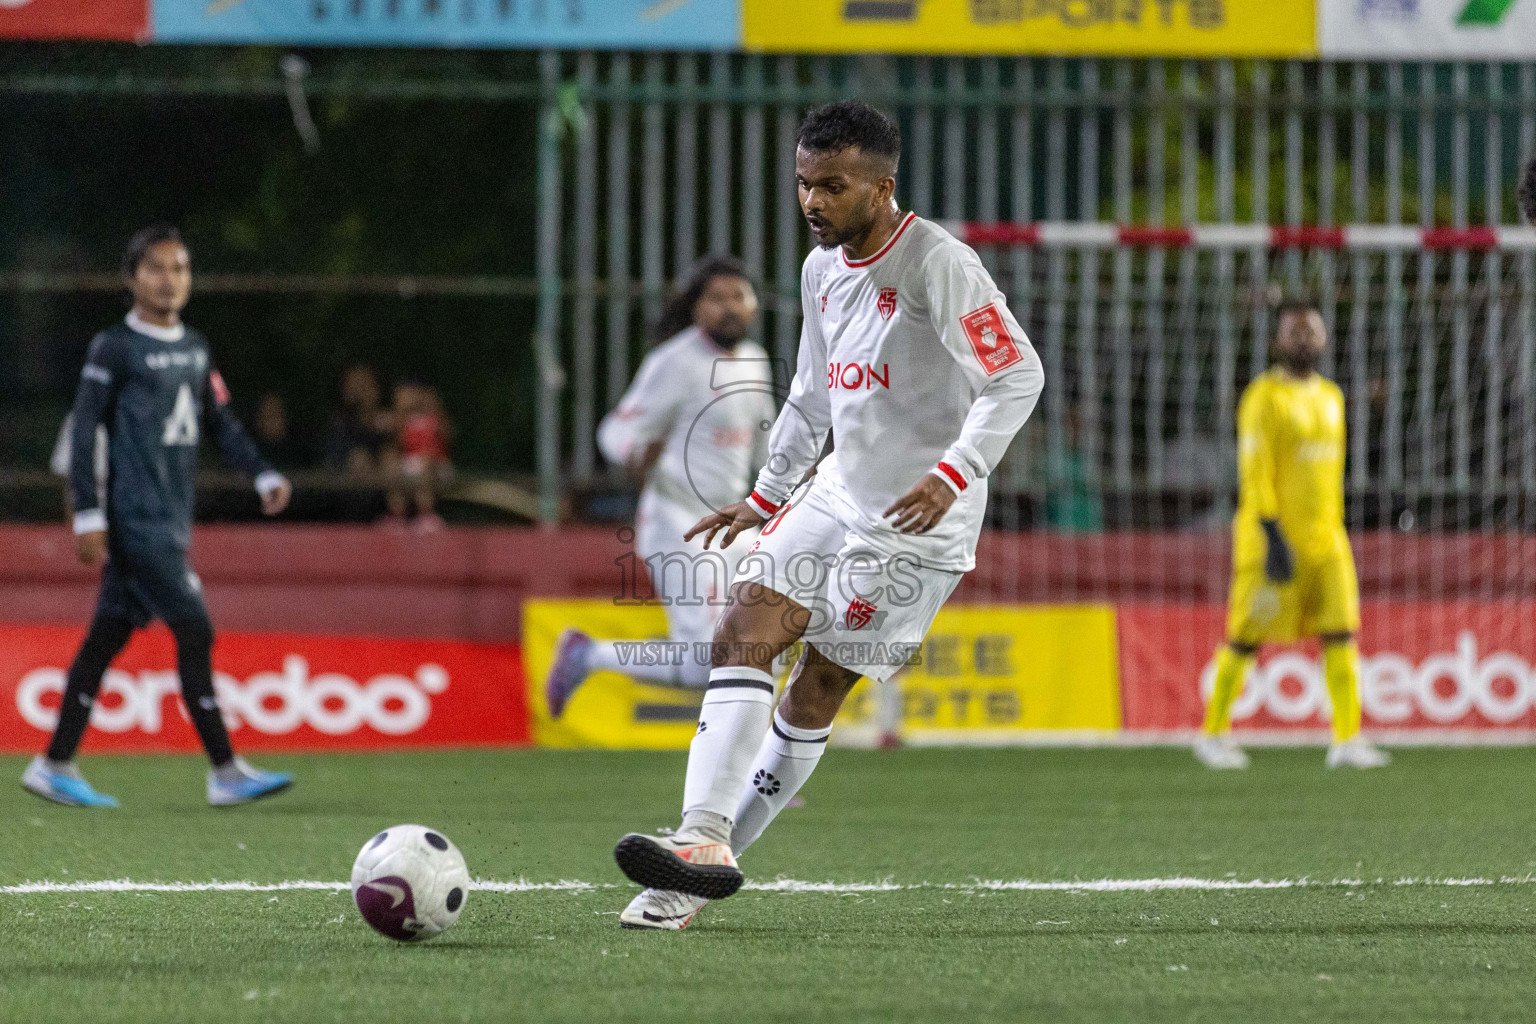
[[886, 304], [859, 613], [989, 338]]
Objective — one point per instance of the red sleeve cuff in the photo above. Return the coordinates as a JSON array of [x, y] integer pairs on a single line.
[[765, 507], [950, 475]]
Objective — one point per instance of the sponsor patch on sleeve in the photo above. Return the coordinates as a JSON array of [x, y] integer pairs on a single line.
[[988, 334]]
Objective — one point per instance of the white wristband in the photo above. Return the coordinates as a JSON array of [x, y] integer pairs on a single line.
[[92, 520], [269, 481], [762, 506], [951, 476]]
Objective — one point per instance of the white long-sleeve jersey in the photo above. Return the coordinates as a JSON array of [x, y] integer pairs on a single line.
[[710, 408], [914, 362]]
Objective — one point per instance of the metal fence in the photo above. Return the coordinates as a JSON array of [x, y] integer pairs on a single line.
[[649, 161]]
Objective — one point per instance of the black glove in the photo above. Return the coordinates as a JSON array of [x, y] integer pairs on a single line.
[[1278, 564]]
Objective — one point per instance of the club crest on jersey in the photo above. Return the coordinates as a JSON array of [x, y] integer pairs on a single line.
[[993, 346], [886, 303], [859, 613]]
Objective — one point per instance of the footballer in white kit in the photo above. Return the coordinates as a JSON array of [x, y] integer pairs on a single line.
[[694, 426], [910, 358]]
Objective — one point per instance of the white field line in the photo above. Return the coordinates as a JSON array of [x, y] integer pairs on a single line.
[[792, 885]]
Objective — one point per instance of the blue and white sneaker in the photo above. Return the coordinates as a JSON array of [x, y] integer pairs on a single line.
[[570, 669], [62, 784], [239, 783]]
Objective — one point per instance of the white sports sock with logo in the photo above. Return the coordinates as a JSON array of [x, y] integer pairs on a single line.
[[735, 715], [784, 761], [691, 674]]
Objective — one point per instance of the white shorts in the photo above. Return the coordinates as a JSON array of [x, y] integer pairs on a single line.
[[692, 585], [869, 610]]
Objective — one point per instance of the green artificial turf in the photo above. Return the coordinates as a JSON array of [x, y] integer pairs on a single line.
[[1368, 948]]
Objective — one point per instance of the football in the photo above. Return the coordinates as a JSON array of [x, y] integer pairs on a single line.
[[410, 883]]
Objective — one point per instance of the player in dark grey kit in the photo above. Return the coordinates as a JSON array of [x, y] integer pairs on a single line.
[[151, 382]]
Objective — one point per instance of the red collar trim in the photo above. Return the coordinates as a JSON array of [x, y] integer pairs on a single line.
[[884, 248]]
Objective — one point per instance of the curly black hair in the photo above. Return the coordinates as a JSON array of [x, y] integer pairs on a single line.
[[677, 314], [1528, 191], [142, 241], [850, 123]]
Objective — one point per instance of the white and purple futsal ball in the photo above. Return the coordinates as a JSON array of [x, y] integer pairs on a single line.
[[410, 883]]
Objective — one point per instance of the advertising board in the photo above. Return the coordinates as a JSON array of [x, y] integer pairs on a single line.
[[278, 691], [985, 673], [1426, 667], [1419, 29], [661, 24], [126, 20], [1234, 28]]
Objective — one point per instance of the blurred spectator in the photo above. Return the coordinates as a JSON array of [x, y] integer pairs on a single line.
[[272, 433], [421, 445], [1072, 505], [359, 436]]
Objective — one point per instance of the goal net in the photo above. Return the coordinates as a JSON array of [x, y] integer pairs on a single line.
[[1121, 488]]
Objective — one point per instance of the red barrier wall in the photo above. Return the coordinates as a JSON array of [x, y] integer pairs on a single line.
[[466, 584], [1194, 567], [469, 584]]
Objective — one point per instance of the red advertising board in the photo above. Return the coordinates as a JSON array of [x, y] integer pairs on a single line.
[[1458, 665], [74, 19], [278, 691]]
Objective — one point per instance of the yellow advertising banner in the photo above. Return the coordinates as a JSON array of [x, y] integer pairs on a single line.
[[995, 673], [985, 673], [1175, 28], [609, 710]]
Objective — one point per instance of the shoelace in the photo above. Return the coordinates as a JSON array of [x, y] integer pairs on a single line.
[[672, 904]]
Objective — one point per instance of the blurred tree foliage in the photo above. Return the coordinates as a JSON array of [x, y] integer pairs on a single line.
[[425, 187]]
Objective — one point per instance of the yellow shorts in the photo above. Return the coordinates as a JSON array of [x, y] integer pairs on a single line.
[[1323, 597]]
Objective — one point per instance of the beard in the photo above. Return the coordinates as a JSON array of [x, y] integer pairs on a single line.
[[854, 228], [1300, 362], [831, 238], [727, 332]]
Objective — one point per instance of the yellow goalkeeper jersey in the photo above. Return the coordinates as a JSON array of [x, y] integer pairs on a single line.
[[1290, 443]]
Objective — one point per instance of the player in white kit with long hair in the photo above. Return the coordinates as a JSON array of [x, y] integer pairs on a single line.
[[694, 427], [911, 359]]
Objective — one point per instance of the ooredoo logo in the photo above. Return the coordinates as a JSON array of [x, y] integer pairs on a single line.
[[274, 703], [1445, 687]]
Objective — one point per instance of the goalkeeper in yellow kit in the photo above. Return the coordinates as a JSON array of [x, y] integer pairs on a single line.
[[1292, 571]]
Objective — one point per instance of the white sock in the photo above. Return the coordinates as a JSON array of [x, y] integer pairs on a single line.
[[732, 721], [61, 767], [232, 772], [602, 656], [784, 761], [692, 674], [888, 707]]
